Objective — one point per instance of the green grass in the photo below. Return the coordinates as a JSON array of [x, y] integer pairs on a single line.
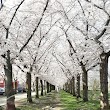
[[72, 103], [27, 107], [65, 101]]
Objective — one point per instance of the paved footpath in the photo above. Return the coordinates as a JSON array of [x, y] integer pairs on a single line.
[[51, 101], [18, 97]]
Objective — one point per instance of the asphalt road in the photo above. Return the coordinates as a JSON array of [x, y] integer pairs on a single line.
[[18, 97]]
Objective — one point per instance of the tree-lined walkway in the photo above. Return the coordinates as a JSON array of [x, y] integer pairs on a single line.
[[51, 101], [49, 43], [59, 101]]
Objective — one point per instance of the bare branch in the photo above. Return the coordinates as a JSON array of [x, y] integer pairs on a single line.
[[104, 30], [7, 29], [95, 65], [45, 8], [106, 24], [58, 60], [1, 2], [20, 68]]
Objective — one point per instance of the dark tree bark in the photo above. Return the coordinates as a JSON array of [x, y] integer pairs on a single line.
[[85, 83], [33, 87], [66, 87], [69, 86], [48, 88], [16, 84], [29, 97], [41, 87], [37, 87], [85, 86], [104, 82], [9, 85], [78, 86], [52, 87], [73, 86]]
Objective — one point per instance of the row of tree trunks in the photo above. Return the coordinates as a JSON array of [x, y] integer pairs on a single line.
[[103, 82], [45, 88], [70, 86], [52, 87]]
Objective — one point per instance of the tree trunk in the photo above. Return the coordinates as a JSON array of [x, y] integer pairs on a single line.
[[104, 82], [85, 86], [41, 87], [9, 84], [85, 83], [37, 87], [29, 97], [69, 87], [73, 86], [33, 87], [66, 87], [48, 87], [16, 84], [78, 86], [45, 86], [52, 87]]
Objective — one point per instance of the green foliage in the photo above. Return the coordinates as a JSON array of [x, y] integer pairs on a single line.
[[72, 103]]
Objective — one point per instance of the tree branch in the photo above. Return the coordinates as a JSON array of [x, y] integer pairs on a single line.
[[7, 29], [104, 30], [20, 68], [1, 1], [106, 24], [45, 8], [93, 66]]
